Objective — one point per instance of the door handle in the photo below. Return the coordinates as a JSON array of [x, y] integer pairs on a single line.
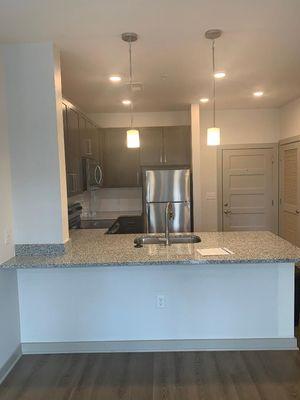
[[297, 211], [227, 212]]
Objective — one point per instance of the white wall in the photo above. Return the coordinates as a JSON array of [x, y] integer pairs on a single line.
[[9, 307], [6, 216], [290, 119], [35, 126], [237, 127], [120, 120], [196, 166], [113, 303]]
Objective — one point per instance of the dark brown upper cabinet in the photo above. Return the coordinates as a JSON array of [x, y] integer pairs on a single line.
[[82, 139], [177, 145], [121, 165], [89, 139], [151, 141], [73, 153], [165, 146]]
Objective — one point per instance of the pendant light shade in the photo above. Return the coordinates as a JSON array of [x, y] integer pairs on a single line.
[[133, 139], [213, 136], [213, 133]]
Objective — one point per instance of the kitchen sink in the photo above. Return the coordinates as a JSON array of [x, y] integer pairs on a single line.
[[176, 239]]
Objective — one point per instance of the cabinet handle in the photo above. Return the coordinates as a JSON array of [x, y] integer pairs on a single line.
[[297, 211]]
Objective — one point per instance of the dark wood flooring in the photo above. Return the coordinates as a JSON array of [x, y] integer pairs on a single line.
[[260, 375]]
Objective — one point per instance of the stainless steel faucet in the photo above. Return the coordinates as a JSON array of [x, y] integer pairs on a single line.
[[169, 215]]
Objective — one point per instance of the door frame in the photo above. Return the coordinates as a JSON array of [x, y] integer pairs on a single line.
[[283, 142], [274, 147]]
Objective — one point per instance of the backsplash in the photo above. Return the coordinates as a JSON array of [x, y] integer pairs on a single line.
[[110, 202]]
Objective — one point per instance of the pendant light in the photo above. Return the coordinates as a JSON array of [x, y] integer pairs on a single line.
[[133, 135], [213, 133]]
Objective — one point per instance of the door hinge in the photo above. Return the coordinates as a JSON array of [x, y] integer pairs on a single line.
[[272, 202]]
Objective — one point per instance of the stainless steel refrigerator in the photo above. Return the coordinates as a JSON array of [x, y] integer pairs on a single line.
[[161, 186]]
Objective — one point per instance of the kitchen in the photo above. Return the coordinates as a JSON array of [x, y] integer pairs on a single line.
[[144, 314]]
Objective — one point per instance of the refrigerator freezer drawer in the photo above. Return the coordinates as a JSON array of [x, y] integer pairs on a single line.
[[156, 217], [164, 185]]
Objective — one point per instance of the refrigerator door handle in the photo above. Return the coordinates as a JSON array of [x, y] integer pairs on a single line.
[[148, 216]]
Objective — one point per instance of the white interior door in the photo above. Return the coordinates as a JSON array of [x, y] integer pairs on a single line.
[[248, 190], [289, 199]]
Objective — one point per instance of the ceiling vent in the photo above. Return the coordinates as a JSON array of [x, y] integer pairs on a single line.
[[135, 86]]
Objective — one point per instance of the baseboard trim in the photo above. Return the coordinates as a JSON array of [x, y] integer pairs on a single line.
[[160, 345], [10, 363]]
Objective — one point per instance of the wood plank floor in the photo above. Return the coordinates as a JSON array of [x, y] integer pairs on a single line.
[[260, 375]]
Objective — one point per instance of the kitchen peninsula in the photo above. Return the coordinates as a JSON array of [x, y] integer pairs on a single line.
[[104, 294]]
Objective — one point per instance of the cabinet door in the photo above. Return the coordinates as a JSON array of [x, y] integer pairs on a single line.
[[121, 165], [92, 134], [101, 146], [74, 178], [66, 138], [177, 145], [151, 150], [89, 138], [85, 139]]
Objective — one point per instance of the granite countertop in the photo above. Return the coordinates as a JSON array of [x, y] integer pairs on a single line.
[[94, 248]]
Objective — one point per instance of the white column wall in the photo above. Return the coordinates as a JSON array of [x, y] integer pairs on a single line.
[[33, 90], [9, 307], [196, 165]]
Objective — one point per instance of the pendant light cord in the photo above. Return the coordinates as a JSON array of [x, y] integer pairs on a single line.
[[130, 84], [214, 83]]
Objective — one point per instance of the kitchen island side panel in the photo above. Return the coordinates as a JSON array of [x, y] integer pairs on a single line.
[[228, 301]]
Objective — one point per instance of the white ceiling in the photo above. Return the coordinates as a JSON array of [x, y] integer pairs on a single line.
[[259, 49]]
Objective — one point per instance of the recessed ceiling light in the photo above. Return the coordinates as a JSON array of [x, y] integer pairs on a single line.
[[259, 93], [204, 100], [219, 75], [115, 78], [126, 102]]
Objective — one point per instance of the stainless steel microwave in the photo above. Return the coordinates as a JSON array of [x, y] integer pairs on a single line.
[[92, 174]]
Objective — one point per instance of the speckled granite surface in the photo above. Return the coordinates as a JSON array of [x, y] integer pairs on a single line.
[[93, 248], [41, 249]]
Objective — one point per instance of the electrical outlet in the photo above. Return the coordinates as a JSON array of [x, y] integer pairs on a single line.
[[160, 301]]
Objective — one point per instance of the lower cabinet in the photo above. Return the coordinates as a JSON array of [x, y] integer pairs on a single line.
[[121, 164]]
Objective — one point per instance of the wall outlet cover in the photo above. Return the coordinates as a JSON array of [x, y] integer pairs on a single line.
[[160, 301]]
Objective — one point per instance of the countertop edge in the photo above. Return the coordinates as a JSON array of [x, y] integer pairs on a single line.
[[7, 265]]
